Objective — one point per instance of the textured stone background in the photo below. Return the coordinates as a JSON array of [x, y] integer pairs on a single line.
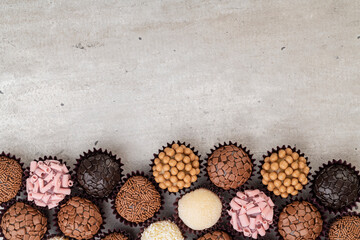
[[130, 76]]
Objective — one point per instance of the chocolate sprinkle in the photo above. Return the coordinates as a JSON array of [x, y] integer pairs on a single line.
[[137, 200], [337, 186], [21, 221], [216, 235], [229, 167], [79, 218], [300, 220], [98, 174], [10, 178], [115, 236], [346, 227]]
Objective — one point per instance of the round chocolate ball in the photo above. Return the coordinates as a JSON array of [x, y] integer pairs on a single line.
[[79, 218], [137, 200], [21, 221], [115, 236], [229, 167], [337, 186], [300, 220], [58, 238], [98, 174], [216, 235], [346, 227], [10, 178], [200, 209]]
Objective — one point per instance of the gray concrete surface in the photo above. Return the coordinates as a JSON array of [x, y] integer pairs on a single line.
[[130, 76]]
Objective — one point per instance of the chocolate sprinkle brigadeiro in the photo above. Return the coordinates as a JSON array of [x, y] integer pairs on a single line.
[[115, 236], [79, 218], [337, 186], [99, 173], [10, 178], [229, 167], [21, 221], [346, 227], [300, 220], [137, 200], [216, 235]]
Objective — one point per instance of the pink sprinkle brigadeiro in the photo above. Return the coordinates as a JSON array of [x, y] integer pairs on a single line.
[[251, 212], [48, 184]]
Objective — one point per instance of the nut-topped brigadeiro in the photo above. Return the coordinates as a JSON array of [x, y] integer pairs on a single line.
[[229, 166], [176, 167], [285, 172]]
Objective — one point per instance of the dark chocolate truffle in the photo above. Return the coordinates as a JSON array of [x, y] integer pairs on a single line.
[[137, 200], [229, 167], [21, 221], [300, 220], [337, 186], [115, 236], [79, 218], [10, 178], [346, 227], [217, 235], [99, 173]]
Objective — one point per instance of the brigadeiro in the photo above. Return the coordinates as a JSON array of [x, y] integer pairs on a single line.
[[117, 235], [251, 213], [176, 167], [285, 171], [162, 230], [345, 227], [137, 200], [300, 220], [79, 218], [199, 209], [98, 172], [229, 166], [11, 174], [215, 235], [49, 182], [57, 237], [337, 186], [22, 221]]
